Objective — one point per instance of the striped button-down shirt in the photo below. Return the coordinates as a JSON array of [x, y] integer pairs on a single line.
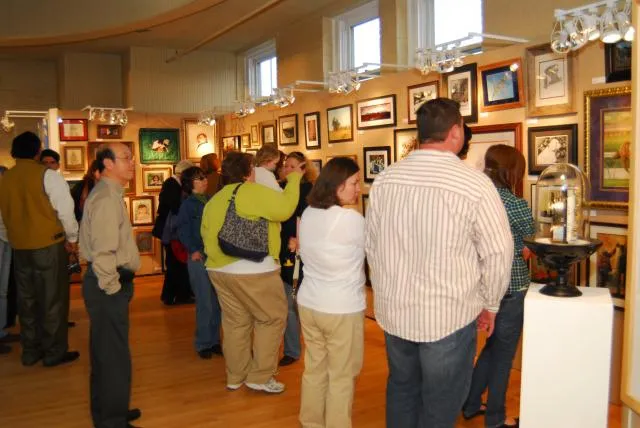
[[438, 244]]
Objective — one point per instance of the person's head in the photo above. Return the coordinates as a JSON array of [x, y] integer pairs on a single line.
[[440, 125], [468, 134], [26, 146], [50, 159], [182, 166], [194, 180], [210, 163], [237, 167], [337, 184], [115, 161], [504, 165], [297, 161], [268, 157], [94, 172]]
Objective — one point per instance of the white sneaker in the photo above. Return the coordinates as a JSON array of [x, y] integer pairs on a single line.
[[233, 386], [272, 386]]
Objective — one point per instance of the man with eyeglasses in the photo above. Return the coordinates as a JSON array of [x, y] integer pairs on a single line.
[[106, 242]]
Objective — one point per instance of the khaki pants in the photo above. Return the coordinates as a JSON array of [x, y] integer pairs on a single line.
[[251, 304], [334, 349]]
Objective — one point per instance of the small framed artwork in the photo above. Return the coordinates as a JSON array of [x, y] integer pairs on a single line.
[[230, 144], [404, 142], [365, 203], [376, 159], [245, 141], [255, 138], [317, 163], [340, 123], [109, 132], [462, 86], [268, 132], [549, 81], [533, 197], [142, 210], [153, 177], [608, 265], [73, 129], [376, 112], [199, 140], [418, 95], [608, 139], [288, 127], [144, 241], [617, 61], [549, 145], [502, 86], [159, 145], [75, 158], [312, 130]]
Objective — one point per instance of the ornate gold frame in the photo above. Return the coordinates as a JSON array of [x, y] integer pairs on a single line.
[[532, 81]]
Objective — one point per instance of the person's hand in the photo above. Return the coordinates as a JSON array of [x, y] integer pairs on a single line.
[[486, 321], [196, 256], [526, 253], [71, 247], [292, 174], [293, 244]]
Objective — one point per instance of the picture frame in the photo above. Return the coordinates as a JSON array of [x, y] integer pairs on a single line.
[[230, 144], [109, 132], [608, 136], [608, 265], [288, 129], [549, 145], [550, 82], [379, 112], [268, 132], [317, 163], [255, 137], [365, 204], [502, 85], [312, 130], [153, 177], [144, 241], [92, 149], [198, 140], [73, 129], [245, 141], [142, 210], [420, 94], [74, 158], [617, 61], [159, 145], [376, 159], [404, 142], [340, 124], [461, 85]]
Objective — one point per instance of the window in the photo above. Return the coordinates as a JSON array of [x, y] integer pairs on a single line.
[[357, 38], [262, 69]]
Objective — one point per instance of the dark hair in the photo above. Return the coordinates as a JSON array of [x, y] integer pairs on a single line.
[[236, 167], [325, 192], [436, 118], [188, 176], [50, 153], [504, 165], [104, 152], [468, 134], [25, 146]]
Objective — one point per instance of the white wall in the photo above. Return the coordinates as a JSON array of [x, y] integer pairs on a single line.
[[90, 79]]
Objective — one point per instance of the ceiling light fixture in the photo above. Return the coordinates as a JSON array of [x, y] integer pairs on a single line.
[[113, 115], [7, 124]]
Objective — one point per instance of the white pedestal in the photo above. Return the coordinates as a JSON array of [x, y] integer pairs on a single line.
[[566, 359]]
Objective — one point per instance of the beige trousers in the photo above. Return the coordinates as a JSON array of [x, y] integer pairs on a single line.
[[334, 349], [251, 304]]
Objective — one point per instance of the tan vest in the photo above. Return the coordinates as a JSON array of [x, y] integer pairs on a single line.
[[31, 221]]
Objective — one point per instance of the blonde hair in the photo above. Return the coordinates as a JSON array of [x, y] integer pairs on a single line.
[[267, 153], [310, 171]]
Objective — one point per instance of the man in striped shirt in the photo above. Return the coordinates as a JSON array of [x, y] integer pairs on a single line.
[[440, 248]]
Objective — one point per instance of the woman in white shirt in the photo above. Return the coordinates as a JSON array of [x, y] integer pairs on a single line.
[[331, 300]]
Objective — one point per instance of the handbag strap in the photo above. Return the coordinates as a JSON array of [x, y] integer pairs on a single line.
[[233, 195]]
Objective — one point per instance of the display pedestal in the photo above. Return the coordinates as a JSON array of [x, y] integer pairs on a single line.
[[566, 359]]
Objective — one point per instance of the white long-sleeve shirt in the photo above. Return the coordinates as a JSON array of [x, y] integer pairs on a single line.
[[59, 195], [267, 178]]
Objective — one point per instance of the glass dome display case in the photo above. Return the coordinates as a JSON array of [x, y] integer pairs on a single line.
[[562, 225]]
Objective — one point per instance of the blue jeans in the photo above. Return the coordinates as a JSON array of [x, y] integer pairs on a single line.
[[292, 330], [429, 381], [494, 364], [208, 313], [5, 267]]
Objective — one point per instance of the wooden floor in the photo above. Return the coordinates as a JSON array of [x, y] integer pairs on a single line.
[[174, 388]]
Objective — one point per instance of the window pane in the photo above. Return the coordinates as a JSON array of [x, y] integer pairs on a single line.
[[452, 25], [267, 76], [274, 72], [366, 43]]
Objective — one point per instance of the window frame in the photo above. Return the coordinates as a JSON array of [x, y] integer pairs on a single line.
[[253, 58], [343, 49]]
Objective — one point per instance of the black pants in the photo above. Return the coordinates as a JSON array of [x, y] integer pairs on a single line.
[[110, 380], [176, 287], [42, 281]]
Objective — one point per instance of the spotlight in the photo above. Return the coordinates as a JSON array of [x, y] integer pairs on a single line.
[[610, 34], [6, 123]]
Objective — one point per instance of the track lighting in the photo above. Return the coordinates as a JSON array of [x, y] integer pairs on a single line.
[[114, 115]]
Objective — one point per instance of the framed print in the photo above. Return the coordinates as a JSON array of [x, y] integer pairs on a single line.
[[144, 241], [549, 145], [365, 204], [376, 112], [491, 135], [199, 140], [73, 130], [268, 132], [75, 158], [404, 142], [142, 210], [418, 95], [549, 81], [288, 128], [462, 86], [608, 137], [255, 138], [245, 141], [109, 132], [617, 61], [608, 265], [340, 123], [317, 163], [153, 177], [230, 144], [312, 130], [376, 159], [532, 195], [159, 145], [502, 86]]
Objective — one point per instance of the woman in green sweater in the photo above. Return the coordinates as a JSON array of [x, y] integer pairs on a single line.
[[251, 293]]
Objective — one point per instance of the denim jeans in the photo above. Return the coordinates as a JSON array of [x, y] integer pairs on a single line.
[[5, 267], [208, 313], [429, 381], [292, 330], [494, 364]]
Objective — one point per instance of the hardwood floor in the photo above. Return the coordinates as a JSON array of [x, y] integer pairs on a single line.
[[175, 388]]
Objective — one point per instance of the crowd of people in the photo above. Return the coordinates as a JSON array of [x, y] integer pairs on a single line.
[[269, 250]]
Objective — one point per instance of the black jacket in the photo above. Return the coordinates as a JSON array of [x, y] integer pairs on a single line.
[[170, 200]]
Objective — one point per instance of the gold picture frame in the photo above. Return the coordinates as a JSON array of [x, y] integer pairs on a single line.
[[550, 82]]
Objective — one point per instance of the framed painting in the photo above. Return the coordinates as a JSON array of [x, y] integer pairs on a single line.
[[549, 145], [550, 82], [376, 112], [288, 128], [317, 163], [109, 132], [144, 241], [245, 141], [142, 210], [73, 129], [462, 86], [365, 204], [159, 145], [75, 158], [255, 138], [230, 144], [268, 132], [340, 123], [502, 86], [199, 140], [376, 159], [153, 177], [608, 136], [312, 130], [418, 95], [608, 265], [404, 142], [617, 61]]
